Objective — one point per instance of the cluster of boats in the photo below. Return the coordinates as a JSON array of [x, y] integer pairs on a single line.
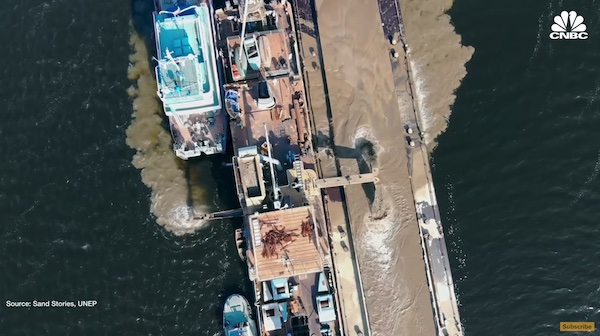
[[236, 70]]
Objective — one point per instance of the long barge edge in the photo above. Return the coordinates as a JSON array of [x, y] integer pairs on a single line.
[[433, 244], [435, 252], [439, 276]]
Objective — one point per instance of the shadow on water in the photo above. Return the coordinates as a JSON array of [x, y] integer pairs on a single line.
[[141, 20], [189, 198]]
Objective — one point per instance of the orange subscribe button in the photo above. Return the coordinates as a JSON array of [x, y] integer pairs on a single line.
[[577, 326]]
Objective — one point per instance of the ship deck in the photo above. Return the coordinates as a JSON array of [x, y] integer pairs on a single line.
[[297, 257], [281, 121], [250, 178], [287, 125], [303, 316], [304, 301], [189, 78], [274, 54], [197, 128], [273, 38], [187, 71]]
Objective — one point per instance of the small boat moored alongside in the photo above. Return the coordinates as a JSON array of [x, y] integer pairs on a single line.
[[237, 317], [240, 244]]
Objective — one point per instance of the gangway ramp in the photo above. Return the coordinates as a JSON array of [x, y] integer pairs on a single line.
[[225, 214], [342, 181]]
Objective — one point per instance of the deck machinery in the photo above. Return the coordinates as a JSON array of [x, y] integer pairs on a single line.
[[285, 232]]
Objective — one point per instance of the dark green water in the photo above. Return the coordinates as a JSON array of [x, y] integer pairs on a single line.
[[517, 170]]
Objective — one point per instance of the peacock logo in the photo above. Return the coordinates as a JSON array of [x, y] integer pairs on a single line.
[[568, 26]]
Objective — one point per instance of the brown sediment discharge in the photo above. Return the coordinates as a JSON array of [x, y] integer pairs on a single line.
[[367, 113], [437, 60], [160, 169]]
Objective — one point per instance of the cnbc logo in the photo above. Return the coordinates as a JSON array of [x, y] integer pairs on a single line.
[[568, 26]]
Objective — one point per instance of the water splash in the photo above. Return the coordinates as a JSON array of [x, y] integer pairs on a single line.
[[364, 133], [381, 227], [426, 117]]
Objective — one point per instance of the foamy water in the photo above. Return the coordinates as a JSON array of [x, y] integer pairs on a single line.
[[426, 118], [382, 228], [365, 134]]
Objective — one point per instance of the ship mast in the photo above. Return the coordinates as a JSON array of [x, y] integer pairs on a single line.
[[273, 182], [169, 55], [246, 2], [178, 10]]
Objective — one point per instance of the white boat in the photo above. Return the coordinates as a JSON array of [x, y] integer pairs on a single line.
[[237, 317], [188, 76]]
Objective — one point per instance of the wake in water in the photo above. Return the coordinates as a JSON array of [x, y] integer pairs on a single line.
[[382, 228], [384, 241], [379, 221], [161, 170]]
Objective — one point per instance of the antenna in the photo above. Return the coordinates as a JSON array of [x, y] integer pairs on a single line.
[[179, 74], [171, 59], [246, 2], [275, 186], [178, 10]]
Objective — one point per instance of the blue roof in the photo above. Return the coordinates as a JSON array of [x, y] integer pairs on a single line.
[[187, 72], [284, 311], [280, 283], [325, 308]]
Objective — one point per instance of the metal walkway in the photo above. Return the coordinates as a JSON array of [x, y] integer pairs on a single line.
[[220, 214], [342, 181]]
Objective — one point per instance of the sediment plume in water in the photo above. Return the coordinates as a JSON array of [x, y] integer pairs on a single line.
[[160, 169], [437, 60]]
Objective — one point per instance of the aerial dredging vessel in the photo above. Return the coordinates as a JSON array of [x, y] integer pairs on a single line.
[[286, 238]]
